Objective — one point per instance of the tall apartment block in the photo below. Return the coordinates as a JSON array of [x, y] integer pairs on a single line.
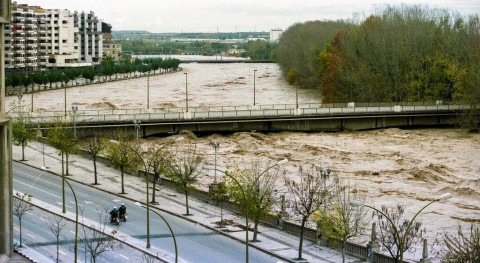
[[38, 39], [90, 37], [61, 39]]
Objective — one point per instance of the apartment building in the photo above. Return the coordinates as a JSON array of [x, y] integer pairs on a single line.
[[62, 39], [111, 48], [38, 39], [89, 37], [21, 48]]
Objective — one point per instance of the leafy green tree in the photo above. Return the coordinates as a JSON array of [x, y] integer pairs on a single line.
[[22, 134], [219, 194], [183, 169], [341, 220], [158, 158], [254, 189], [94, 146], [123, 156], [61, 137]]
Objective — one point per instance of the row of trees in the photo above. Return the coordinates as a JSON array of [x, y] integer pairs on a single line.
[[256, 189], [106, 69], [400, 53]]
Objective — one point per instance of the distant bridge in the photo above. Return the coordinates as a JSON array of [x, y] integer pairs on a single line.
[[263, 118]]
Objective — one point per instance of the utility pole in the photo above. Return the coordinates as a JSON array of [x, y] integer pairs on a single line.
[[6, 185]]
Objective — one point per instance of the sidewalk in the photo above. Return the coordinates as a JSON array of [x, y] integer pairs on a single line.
[[274, 241]]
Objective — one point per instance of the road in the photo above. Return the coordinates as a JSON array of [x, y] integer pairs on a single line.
[[196, 243]]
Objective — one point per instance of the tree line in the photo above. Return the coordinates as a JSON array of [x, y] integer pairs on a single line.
[[398, 54], [106, 69]]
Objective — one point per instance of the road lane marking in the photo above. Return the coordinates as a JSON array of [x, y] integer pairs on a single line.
[[72, 232], [29, 213], [61, 252], [16, 228], [56, 196], [123, 256], [43, 219], [30, 236]]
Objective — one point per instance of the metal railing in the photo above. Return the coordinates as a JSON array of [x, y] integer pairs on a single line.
[[234, 112]]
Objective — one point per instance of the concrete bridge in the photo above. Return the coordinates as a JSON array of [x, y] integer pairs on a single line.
[[262, 118]]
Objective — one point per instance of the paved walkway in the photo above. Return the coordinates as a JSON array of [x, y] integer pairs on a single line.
[[274, 241]]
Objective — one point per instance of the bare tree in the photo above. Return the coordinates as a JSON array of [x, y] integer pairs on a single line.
[[183, 168], [254, 190], [96, 240], [56, 225], [21, 205], [307, 197], [341, 220], [461, 248], [397, 234]]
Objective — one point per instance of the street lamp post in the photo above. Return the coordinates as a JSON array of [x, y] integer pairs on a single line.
[[245, 201], [402, 239], [64, 93], [138, 125], [215, 144], [74, 110], [148, 90], [75, 249], [169, 228], [19, 96], [254, 79], [186, 91]]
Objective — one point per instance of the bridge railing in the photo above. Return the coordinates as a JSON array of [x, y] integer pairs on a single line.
[[224, 112]]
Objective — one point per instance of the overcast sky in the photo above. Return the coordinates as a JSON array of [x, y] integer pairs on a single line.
[[231, 16]]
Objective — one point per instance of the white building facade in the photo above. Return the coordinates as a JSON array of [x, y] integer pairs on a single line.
[[38, 39]]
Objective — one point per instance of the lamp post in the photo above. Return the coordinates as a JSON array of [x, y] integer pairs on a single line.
[[169, 228], [296, 95], [75, 249], [28, 78], [215, 144], [148, 90], [64, 93], [138, 125], [19, 96], [186, 91], [401, 236], [74, 110], [246, 205], [254, 79]]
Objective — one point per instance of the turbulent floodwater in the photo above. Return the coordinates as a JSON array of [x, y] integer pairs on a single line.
[[229, 84], [409, 167]]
